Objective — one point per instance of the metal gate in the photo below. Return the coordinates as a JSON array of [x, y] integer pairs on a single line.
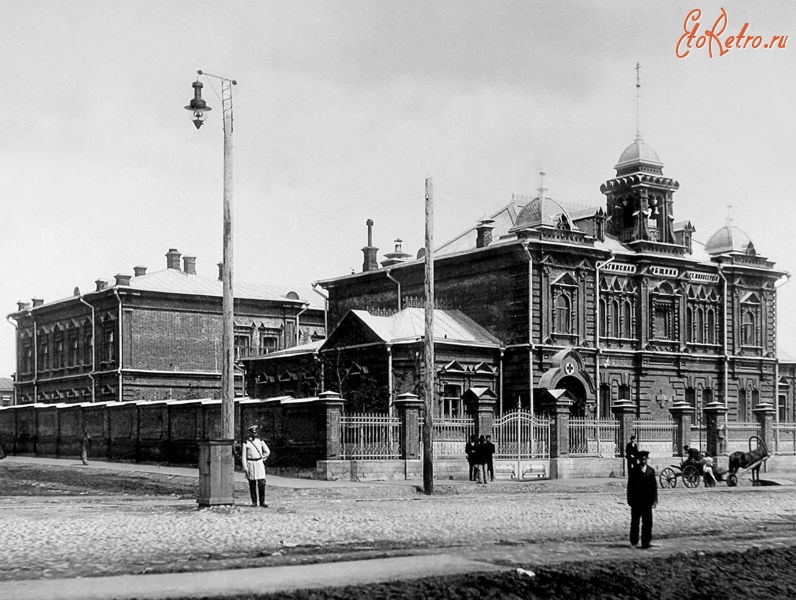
[[519, 435]]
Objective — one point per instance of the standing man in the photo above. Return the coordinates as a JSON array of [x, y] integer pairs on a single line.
[[642, 497], [469, 450], [631, 454], [85, 444], [253, 456], [489, 450]]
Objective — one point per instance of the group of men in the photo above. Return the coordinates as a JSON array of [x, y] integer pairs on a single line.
[[642, 493], [479, 452]]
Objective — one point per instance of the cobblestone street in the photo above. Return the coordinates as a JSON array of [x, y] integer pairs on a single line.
[[61, 536]]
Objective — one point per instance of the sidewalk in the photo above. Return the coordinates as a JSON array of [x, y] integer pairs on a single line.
[[263, 580]]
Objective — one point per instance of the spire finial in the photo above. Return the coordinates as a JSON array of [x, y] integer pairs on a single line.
[[729, 214], [542, 188], [638, 101]]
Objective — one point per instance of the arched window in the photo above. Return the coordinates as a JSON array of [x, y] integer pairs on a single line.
[[755, 398], [689, 316], [627, 319], [561, 321], [603, 317], [749, 335], [700, 326], [707, 396], [711, 334], [615, 331]]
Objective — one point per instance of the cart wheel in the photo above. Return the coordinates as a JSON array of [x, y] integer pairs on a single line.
[[691, 476], [668, 478], [732, 480]]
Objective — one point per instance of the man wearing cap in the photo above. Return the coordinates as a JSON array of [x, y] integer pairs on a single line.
[[642, 497], [631, 454], [253, 456]]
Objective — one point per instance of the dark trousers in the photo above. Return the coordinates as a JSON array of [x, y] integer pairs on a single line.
[[491, 468], [643, 514], [254, 486], [473, 470]]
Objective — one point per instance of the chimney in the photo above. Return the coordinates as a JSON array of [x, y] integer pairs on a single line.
[[122, 279], [189, 264], [37, 302], [221, 271], [484, 233], [370, 263], [139, 271], [101, 284], [173, 259], [23, 306]]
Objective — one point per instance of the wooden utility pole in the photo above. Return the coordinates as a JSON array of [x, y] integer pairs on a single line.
[[428, 421], [227, 333]]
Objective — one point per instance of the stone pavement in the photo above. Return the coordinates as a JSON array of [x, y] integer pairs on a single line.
[[52, 537]]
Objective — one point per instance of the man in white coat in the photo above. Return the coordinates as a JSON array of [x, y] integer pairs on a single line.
[[253, 456]]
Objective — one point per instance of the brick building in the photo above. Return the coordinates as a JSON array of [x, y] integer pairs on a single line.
[[152, 336], [611, 302], [6, 391]]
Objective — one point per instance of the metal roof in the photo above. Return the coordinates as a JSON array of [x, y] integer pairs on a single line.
[[408, 325]]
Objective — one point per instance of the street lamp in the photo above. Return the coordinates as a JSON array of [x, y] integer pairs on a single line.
[[216, 463]]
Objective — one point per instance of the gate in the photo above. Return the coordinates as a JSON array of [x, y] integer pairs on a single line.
[[521, 436]]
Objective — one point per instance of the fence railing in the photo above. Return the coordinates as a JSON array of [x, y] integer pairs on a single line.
[[656, 436], [784, 438], [451, 435], [368, 435], [738, 434], [589, 437], [519, 435]]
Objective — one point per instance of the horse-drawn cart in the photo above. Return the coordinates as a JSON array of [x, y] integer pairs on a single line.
[[690, 474], [748, 462]]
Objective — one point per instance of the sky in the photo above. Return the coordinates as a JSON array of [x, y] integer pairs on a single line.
[[344, 108]]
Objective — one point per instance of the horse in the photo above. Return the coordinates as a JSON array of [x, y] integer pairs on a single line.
[[743, 460]]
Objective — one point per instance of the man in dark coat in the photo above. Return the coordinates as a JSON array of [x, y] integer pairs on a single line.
[[469, 451], [489, 452], [631, 454], [642, 497]]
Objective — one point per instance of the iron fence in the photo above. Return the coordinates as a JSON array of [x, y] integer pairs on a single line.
[[738, 434], [785, 438], [588, 437], [370, 435], [450, 436], [656, 436]]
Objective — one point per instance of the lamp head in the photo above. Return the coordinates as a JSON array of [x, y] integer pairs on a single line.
[[197, 105]]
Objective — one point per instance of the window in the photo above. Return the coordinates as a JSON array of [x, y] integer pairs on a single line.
[[711, 336], [749, 333], [452, 400], [88, 348], [624, 392], [615, 330], [755, 398], [108, 344], [58, 356], [561, 317], [690, 397], [242, 346], [743, 409], [700, 326], [44, 354], [605, 401], [627, 319], [268, 343], [74, 351], [782, 407], [27, 353], [662, 323], [603, 317], [707, 396]]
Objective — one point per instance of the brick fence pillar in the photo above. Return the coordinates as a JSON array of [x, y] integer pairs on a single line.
[[764, 413], [483, 412], [557, 406], [681, 414], [330, 406], [715, 415], [409, 408], [625, 413]]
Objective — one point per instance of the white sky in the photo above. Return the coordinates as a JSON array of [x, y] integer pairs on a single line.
[[343, 109]]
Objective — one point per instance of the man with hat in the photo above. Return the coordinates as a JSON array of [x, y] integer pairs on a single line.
[[631, 454], [642, 497], [253, 456]]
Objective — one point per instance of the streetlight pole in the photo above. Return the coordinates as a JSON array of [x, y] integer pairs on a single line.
[[219, 456]]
